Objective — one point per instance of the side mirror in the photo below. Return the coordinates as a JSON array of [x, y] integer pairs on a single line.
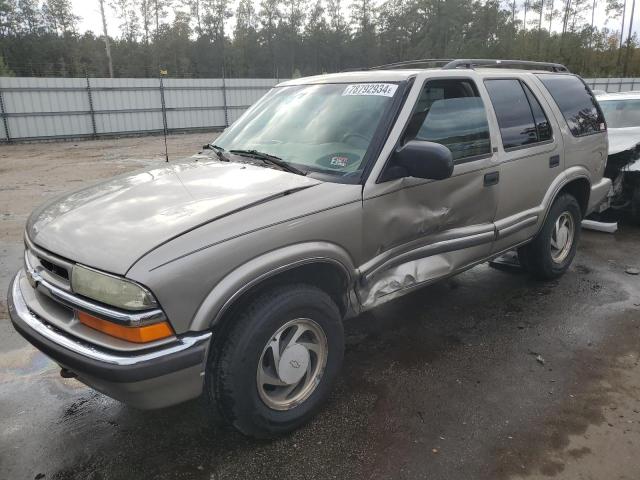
[[425, 160]]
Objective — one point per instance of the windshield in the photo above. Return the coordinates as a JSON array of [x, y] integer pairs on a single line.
[[325, 128], [621, 113]]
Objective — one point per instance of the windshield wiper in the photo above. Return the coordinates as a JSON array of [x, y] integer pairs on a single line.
[[272, 159], [219, 151]]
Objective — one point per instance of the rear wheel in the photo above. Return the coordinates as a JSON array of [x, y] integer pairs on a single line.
[[551, 252], [635, 205], [278, 362]]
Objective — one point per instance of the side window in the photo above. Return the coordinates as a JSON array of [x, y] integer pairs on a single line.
[[543, 126], [515, 116], [577, 104], [451, 112]]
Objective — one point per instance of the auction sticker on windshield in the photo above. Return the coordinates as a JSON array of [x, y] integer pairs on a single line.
[[378, 89]]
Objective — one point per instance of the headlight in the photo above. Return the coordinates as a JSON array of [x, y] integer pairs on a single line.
[[111, 290]]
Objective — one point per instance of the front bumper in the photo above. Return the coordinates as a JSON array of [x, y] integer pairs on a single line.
[[154, 378]]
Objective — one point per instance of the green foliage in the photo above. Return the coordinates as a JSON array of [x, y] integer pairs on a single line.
[[4, 70], [287, 38]]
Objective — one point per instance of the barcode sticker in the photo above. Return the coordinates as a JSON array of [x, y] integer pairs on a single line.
[[377, 89]]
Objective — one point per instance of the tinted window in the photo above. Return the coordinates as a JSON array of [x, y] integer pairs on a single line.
[[451, 112], [517, 126], [542, 122], [576, 103]]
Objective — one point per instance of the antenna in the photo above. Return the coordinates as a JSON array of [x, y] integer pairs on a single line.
[[164, 115]]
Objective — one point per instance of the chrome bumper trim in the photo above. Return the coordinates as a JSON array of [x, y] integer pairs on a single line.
[[53, 334], [71, 300]]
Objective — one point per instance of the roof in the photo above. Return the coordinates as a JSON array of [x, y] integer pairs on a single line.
[[400, 71], [355, 77], [402, 75]]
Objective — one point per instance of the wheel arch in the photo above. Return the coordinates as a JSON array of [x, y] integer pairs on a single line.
[[580, 189], [321, 264], [576, 182]]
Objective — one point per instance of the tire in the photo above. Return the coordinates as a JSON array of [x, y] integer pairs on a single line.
[[543, 257], [234, 377], [635, 205]]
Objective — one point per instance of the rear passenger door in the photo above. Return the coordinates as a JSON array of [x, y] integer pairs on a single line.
[[530, 153]]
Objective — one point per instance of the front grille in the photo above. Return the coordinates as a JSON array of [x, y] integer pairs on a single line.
[[55, 269]]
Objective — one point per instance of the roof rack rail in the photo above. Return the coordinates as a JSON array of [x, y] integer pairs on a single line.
[[450, 64], [485, 62], [405, 63]]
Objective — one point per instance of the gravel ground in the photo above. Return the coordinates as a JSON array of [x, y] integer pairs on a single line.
[[489, 375]]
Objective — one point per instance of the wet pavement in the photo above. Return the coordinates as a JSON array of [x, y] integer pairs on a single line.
[[488, 375]]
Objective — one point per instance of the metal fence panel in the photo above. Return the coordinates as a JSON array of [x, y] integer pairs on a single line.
[[44, 108], [612, 85], [37, 108]]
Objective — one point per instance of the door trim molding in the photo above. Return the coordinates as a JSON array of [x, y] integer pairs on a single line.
[[517, 226], [399, 255]]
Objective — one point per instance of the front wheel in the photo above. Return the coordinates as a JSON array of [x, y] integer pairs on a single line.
[[551, 252], [278, 362]]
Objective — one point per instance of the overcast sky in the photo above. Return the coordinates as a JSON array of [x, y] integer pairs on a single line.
[[89, 11]]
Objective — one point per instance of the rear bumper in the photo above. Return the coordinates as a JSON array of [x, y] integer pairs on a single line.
[[154, 378], [599, 193]]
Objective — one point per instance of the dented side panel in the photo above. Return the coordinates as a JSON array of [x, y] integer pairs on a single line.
[[417, 231]]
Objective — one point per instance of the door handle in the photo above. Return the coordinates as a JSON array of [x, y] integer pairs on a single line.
[[554, 161], [491, 178]]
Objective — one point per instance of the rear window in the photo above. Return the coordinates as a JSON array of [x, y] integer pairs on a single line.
[[577, 104]]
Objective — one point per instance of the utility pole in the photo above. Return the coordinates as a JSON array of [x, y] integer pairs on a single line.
[[626, 60], [157, 46], [624, 11], [107, 46], [540, 28]]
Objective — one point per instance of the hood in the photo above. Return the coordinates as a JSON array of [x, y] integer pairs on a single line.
[[621, 139], [111, 225]]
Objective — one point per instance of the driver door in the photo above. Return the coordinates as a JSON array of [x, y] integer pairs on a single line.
[[417, 230]]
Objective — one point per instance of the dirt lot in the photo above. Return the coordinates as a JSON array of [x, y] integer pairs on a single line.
[[442, 384]]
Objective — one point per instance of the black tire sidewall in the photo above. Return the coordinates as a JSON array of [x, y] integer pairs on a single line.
[[537, 254], [234, 377], [635, 204]]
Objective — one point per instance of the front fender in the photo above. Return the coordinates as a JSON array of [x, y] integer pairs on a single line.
[[260, 268]]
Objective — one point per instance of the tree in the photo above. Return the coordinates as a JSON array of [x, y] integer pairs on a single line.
[[626, 62], [5, 71], [146, 20], [364, 31], [7, 17], [107, 45], [30, 17], [59, 17], [246, 52], [270, 17], [126, 11], [303, 37], [195, 10], [615, 9]]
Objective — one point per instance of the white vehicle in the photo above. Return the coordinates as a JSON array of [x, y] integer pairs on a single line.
[[622, 113]]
